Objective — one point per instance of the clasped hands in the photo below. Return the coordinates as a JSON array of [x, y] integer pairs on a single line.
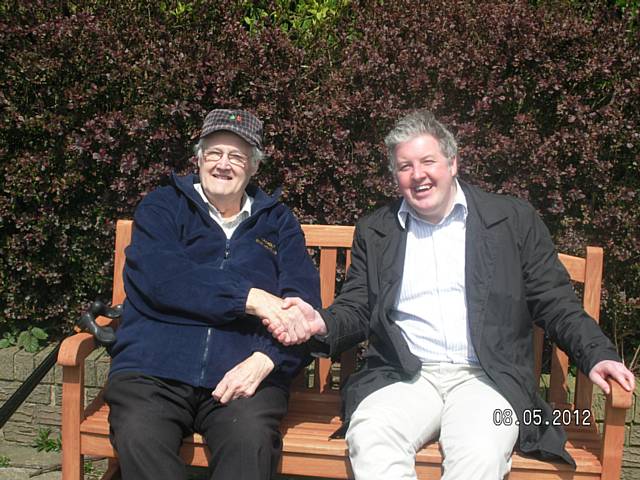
[[291, 320]]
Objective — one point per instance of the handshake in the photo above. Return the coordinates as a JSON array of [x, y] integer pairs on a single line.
[[290, 320]]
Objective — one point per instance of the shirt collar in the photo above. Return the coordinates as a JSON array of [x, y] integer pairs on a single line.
[[245, 209], [459, 199]]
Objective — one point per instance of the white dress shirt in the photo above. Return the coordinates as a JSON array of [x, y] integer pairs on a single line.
[[431, 308], [228, 225]]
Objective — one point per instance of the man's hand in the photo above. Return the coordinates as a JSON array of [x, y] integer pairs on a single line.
[[272, 312], [616, 370], [313, 323], [243, 379]]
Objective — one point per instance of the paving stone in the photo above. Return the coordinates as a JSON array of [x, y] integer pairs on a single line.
[[57, 475], [26, 462], [6, 363], [12, 473], [19, 454]]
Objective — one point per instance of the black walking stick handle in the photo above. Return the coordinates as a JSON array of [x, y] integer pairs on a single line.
[[98, 308], [104, 336]]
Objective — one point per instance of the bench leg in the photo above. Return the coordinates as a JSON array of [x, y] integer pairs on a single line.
[[613, 443], [72, 410]]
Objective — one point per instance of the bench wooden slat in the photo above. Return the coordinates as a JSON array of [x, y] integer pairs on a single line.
[[559, 388], [591, 304], [123, 239], [328, 235]]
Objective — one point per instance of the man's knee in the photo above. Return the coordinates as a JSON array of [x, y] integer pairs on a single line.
[[483, 459], [247, 431], [366, 432], [135, 433]]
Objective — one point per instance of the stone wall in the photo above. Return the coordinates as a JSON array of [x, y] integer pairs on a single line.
[[41, 410]]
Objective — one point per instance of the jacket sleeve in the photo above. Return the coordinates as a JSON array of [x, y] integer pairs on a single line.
[[553, 303], [163, 283], [347, 319], [297, 277]]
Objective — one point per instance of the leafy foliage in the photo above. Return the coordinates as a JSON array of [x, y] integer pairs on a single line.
[[9, 339], [102, 99], [29, 339], [44, 442], [304, 21]]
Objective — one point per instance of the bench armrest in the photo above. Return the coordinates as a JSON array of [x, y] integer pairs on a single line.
[[76, 348], [618, 397]]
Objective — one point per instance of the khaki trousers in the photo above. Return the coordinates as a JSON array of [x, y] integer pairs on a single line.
[[452, 403]]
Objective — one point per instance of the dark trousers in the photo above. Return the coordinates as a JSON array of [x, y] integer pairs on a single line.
[[150, 416]]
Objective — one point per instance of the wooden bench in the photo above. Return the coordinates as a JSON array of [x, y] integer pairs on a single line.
[[314, 410]]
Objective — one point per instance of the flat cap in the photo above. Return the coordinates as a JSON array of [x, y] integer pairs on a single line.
[[240, 122]]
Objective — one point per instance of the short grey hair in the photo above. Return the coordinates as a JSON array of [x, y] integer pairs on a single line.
[[420, 122], [257, 155]]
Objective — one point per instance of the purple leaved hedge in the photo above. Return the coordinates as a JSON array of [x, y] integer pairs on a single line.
[[100, 102]]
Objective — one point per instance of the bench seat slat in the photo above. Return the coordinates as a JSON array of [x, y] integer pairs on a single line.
[[304, 436]]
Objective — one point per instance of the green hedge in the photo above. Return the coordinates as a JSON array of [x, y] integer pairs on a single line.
[[101, 100]]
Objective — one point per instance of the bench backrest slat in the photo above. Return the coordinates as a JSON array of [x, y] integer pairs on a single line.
[[334, 243]]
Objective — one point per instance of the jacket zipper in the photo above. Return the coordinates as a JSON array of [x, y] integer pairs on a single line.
[[210, 329], [226, 253], [204, 356]]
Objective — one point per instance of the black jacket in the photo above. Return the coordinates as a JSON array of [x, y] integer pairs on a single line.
[[513, 279]]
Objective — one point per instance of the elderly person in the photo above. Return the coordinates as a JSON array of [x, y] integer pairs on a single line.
[[447, 283], [210, 256]]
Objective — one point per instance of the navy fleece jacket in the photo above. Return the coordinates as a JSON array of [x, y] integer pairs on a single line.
[[187, 286]]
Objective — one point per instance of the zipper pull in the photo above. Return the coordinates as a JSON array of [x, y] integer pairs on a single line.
[[226, 250]]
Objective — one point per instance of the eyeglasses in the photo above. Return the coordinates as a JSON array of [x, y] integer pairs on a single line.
[[235, 158]]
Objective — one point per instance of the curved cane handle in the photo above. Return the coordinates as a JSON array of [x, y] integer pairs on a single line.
[[104, 336]]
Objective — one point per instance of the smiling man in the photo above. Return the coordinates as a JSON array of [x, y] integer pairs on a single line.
[[210, 256], [446, 284]]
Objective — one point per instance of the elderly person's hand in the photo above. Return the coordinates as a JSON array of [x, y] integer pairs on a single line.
[[243, 379], [269, 308], [310, 318]]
